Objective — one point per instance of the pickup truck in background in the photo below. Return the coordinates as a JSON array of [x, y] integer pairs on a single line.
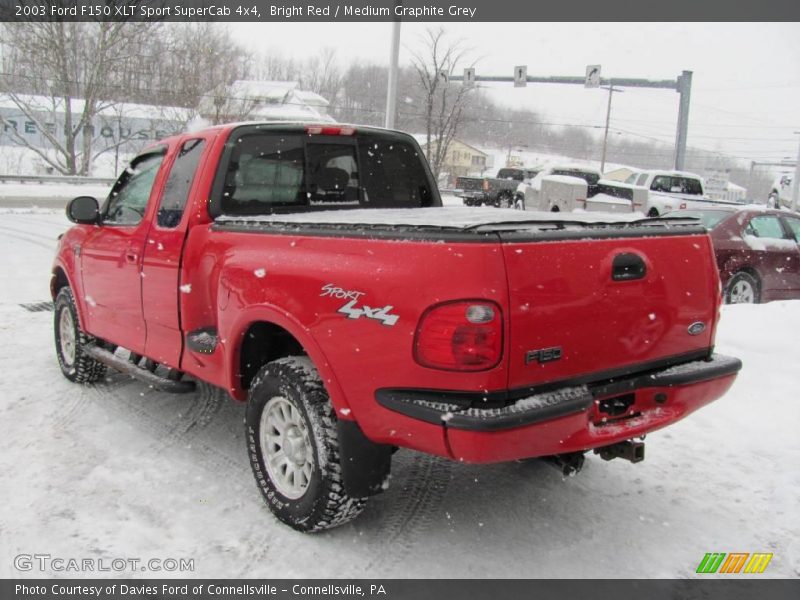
[[671, 190], [498, 191], [780, 194], [311, 272]]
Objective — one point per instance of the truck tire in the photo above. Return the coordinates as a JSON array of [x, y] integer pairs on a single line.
[[71, 341], [294, 449], [504, 200], [743, 288]]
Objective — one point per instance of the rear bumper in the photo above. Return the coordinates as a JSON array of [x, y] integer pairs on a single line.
[[568, 419], [477, 196]]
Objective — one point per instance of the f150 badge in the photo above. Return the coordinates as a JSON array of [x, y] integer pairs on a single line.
[[352, 310]]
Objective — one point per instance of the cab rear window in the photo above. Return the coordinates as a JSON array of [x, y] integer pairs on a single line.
[[271, 172]]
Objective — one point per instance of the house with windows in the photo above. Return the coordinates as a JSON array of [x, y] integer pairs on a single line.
[[461, 159]]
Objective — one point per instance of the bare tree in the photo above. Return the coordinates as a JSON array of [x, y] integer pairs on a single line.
[[321, 74], [444, 102], [70, 65]]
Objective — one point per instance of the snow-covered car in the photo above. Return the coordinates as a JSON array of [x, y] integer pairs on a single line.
[[757, 251], [780, 193]]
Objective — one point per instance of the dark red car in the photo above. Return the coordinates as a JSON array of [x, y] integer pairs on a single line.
[[757, 251]]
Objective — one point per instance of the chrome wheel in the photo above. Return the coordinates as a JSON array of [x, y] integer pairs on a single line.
[[742, 292], [66, 335], [286, 447]]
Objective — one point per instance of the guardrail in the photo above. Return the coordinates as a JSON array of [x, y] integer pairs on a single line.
[[55, 179]]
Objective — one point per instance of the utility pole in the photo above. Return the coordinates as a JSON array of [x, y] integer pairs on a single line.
[[611, 89], [796, 180], [391, 88], [684, 88]]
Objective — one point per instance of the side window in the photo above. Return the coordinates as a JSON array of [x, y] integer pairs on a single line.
[[179, 182], [765, 227], [128, 199], [794, 225], [642, 179]]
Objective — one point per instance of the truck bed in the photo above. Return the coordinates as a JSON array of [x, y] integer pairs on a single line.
[[367, 222]]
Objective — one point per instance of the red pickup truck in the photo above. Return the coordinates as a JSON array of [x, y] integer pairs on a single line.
[[311, 271]]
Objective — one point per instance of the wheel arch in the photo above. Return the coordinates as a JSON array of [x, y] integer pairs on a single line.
[[264, 334], [59, 279]]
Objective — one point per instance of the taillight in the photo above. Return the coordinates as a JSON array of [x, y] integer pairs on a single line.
[[466, 335], [485, 185], [329, 130]]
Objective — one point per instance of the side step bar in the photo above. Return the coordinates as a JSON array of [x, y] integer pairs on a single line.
[[126, 366]]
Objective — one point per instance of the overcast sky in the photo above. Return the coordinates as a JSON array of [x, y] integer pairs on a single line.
[[745, 93]]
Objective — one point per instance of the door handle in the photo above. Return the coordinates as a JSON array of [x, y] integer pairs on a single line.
[[131, 257], [627, 267]]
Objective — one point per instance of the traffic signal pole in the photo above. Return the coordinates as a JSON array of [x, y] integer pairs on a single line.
[[682, 84]]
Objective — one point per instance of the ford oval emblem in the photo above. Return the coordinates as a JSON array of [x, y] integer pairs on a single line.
[[696, 328]]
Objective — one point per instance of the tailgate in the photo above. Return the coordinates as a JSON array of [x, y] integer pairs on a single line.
[[591, 309], [469, 184]]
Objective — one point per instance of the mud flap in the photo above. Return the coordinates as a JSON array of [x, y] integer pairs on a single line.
[[365, 464]]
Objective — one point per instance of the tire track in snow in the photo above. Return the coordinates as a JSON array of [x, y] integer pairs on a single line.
[[36, 234], [207, 402], [420, 493], [25, 238]]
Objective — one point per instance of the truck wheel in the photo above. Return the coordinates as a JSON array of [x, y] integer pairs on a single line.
[[71, 341], [504, 200], [743, 288], [294, 449]]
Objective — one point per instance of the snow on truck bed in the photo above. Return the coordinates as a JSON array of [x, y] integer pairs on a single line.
[[450, 217]]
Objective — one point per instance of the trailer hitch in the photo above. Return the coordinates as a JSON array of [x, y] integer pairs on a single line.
[[632, 451]]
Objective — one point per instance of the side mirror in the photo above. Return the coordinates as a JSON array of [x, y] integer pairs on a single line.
[[84, 210]]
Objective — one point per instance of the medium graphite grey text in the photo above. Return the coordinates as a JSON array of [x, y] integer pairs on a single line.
[[348, 10]]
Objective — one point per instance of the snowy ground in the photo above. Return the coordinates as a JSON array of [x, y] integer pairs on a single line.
[[118, 470]]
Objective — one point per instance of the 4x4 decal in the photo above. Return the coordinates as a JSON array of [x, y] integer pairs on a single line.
[[353, 311]]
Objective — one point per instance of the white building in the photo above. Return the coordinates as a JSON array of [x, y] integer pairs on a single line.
[[248, 100]]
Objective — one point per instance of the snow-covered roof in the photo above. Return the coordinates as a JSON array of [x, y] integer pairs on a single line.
[[311, 98], [671, 173], [269, 91], [266, 100], [125, 109]]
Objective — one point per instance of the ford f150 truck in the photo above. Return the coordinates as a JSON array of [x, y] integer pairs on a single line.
[[310, 271], [494, 191]]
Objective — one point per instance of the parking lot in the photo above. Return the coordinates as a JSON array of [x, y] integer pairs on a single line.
[[117, 470]]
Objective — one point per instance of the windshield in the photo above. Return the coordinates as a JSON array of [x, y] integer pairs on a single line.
[[515, 174]]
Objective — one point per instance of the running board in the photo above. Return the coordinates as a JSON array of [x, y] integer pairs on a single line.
[[125, 366]]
